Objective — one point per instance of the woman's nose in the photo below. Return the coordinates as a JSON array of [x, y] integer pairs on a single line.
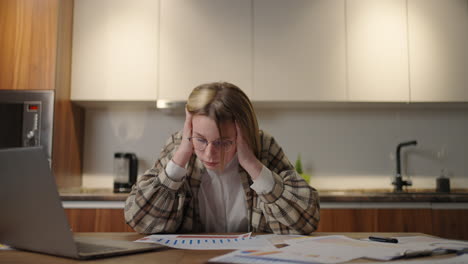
[[211, 151]]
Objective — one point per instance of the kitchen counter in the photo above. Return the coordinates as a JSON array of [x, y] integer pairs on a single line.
[[85, 194], [326, 196], [341, 210], [388, 196]]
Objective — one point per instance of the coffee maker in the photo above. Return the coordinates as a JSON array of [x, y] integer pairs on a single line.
[[125, 171]]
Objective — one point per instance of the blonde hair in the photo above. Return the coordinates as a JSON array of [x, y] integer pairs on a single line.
[[222, 101]]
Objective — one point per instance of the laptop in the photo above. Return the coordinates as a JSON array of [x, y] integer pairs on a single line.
[[31, 213]]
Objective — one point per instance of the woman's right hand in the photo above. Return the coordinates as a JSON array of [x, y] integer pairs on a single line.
[[185, 150]]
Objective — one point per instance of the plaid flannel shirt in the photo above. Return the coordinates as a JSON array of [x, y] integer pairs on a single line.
[[158, 204]]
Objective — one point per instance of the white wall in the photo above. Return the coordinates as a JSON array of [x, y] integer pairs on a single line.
[[342, 147]]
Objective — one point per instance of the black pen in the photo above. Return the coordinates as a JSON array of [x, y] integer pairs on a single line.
[[383, 239]]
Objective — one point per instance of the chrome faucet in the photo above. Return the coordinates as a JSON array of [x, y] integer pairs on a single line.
[[399, 182]]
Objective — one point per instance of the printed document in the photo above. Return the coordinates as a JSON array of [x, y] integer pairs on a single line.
[[245, 257], [338, 248], [209, 242]]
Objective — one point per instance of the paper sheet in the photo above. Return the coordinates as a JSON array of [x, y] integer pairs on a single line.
[[302, 249], [329, 249], [278, 241], [209, 242], [431, 242], [240, 257], [463, 259], [275, 256], [345, 248], [338, 248]]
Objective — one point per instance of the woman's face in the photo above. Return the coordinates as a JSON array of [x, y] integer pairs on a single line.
[[204, 130]]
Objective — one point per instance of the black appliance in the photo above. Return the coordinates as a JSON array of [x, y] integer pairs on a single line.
[[26, 118], [125, 171]]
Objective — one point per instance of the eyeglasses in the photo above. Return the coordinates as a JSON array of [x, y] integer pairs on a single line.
[[219, 144]]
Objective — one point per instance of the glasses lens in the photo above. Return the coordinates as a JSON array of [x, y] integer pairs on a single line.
[[219, 145], [224, 145], [199, 143]]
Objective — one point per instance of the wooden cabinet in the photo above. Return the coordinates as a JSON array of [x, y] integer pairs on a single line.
[[446, 223], [347, 220], [377, 50], [68, 134], [406, 220], [449, 223], [115, 50], [376, 220], [35, 54], [438, 41], [299, 50], [204, 41], [97, 220], [28, 44]]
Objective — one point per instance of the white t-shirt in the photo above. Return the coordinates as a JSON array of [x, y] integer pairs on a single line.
[[222, 203]]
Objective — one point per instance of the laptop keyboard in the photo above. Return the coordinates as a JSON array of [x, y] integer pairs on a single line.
[[93, 248]]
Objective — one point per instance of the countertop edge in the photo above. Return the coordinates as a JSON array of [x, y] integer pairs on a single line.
[[324, 198]]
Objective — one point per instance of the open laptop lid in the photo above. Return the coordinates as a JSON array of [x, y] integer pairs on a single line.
[[32, 217]]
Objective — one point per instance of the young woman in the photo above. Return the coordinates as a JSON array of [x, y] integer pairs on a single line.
[[222, 174]]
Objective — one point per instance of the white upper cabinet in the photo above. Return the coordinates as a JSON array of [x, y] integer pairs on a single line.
[[204, 41], [274, 50], [438, 41], [115, 46], [299, 50], [377, 50]]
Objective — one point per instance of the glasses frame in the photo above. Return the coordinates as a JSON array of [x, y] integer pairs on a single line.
[[217, 147]]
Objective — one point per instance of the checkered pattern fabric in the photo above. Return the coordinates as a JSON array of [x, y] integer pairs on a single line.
[[158, 204]]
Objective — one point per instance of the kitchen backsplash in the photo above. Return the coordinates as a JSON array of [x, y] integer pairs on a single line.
[[347, 147]]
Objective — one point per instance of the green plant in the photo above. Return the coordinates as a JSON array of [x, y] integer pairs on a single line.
[[299, 164], [299, 170]]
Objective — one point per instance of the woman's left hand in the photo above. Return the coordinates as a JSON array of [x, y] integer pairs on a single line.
[[246, 156]]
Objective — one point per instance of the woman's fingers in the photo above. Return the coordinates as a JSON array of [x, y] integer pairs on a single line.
[[246, 156], [183, 154], [239, 132], [188, 124], [241, 145]]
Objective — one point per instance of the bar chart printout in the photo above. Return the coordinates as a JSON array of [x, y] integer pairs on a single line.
[[206, 242]]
